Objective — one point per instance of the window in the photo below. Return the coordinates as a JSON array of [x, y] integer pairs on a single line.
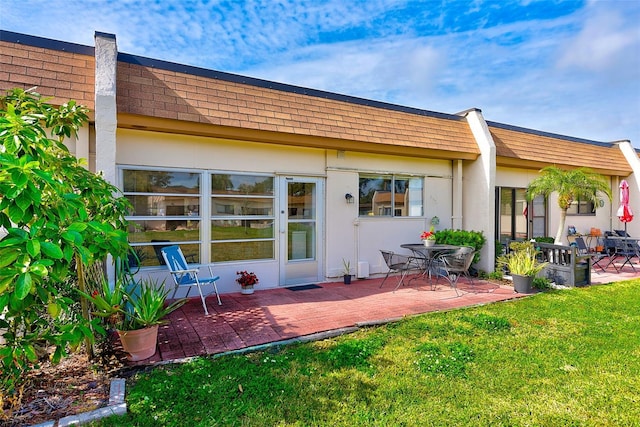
[[390, 195], [166, 210], [169, 206], [242, 217], [512, 222], [515, 218], [581, 207]]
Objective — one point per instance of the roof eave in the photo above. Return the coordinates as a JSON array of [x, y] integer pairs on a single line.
[[513, 162]]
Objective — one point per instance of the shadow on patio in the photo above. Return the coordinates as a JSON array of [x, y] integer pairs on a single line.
[[274, 315]]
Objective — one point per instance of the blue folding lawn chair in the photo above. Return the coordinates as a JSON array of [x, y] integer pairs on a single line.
[[184, 276]]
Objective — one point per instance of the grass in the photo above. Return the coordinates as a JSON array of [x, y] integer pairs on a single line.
[[561, 358]]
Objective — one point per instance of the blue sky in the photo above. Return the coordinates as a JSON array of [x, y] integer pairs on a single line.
[[568, 67]]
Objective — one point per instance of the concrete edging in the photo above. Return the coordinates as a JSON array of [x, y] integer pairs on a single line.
[[116, 406]]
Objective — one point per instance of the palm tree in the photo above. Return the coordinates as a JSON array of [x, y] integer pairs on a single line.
[[571, 185]]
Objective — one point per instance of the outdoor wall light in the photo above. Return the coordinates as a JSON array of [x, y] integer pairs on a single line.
[[348, 197]]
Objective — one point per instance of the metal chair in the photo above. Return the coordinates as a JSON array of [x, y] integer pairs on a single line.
[[453, 265], [626, 249], [399, 264], [607, 255], [184, 276], [585, 253]]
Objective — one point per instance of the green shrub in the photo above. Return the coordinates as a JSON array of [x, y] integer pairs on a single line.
[[541, 283], [542, 239], [496, 275], [474, 239], [59, 218]]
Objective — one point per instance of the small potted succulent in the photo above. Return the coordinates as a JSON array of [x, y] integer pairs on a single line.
[[428, 237], [247, 280], [346, 271]]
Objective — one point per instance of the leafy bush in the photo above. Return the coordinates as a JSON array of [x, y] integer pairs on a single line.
[[57, 217], [542, 239], [541, 283], [496, 275], [474, 239]]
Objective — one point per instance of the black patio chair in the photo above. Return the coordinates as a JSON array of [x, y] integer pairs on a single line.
[[584, 252], [627, 250], [608, 255], [453, 265], [397, 263]]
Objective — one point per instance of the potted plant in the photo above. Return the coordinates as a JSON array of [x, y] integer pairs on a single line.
[[135, 313], [346, 273], [523, 265], [428, 237], [247, 281]]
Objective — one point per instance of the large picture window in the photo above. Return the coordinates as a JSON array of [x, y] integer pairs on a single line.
[[166, 210], [242, 217], [391, 195], [169, 207]]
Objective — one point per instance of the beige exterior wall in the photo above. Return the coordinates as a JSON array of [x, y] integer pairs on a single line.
[[360, 238], [347, 235], [184, 151]]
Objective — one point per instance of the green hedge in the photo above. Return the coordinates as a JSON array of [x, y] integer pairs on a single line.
[[475, 239]]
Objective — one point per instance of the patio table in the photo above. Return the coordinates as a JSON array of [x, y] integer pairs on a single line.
[[427, 254]]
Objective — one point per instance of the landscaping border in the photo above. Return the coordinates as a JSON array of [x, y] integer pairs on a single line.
[[116, 406]]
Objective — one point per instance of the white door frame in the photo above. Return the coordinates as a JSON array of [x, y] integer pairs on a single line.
[[307, 262]]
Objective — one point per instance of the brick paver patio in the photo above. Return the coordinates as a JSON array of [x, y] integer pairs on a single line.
[[282, 314]]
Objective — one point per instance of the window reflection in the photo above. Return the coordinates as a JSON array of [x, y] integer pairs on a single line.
[[388, 195], [241, 184], [165, 205], [146, 181]]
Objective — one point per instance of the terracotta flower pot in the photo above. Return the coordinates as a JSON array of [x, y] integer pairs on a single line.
[[139, 343]]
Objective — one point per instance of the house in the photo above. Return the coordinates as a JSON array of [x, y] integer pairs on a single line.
[[288, 181]]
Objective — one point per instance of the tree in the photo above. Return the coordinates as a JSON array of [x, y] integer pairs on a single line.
[[571, 185], [55, 216]]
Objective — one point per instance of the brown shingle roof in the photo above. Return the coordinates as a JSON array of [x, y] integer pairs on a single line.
[[60, 75], [155, 92], [527, 148]]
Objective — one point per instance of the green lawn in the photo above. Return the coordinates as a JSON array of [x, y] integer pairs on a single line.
[[561, 358]]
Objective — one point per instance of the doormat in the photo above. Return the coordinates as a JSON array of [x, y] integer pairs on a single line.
[[303, 287]]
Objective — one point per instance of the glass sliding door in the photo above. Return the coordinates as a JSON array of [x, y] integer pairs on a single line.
[[516, 219]]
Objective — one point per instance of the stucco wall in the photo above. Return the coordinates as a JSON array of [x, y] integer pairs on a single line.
[[347, 236]]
